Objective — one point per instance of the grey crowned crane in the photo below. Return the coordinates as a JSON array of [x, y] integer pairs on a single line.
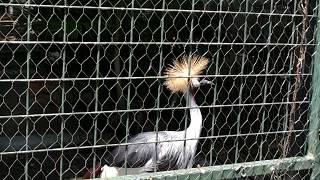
[[173, 151]]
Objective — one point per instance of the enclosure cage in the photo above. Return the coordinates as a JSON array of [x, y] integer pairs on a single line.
[[80, 77]]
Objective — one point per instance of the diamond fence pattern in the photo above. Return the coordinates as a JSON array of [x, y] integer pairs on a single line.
[[80, 77]]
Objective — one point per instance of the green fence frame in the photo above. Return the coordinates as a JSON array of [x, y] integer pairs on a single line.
[[313, 139], [238, 170]]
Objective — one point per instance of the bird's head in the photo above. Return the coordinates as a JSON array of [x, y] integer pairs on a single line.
[[180, 75]]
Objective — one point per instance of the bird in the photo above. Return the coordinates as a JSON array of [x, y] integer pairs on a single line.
[[174, 149]]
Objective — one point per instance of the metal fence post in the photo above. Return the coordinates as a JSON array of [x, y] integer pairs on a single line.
[[313, 139]]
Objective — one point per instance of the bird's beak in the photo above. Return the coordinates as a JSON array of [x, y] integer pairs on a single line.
[[206, 82]]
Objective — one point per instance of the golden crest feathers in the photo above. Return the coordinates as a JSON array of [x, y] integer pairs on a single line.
[[177, 74]]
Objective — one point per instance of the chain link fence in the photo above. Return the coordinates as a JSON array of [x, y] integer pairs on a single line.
[[80, 77]]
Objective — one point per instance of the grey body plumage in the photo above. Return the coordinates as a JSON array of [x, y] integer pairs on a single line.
[[175, 153], [179, 150]]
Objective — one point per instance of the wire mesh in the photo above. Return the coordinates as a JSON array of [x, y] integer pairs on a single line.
[[79, 78]]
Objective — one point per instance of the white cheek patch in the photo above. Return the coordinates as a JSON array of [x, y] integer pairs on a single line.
[[195, 82]]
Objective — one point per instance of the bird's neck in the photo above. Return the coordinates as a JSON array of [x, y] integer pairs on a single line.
[[194, 129]]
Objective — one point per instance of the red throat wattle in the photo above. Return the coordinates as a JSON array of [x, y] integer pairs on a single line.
[[90, 172]]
